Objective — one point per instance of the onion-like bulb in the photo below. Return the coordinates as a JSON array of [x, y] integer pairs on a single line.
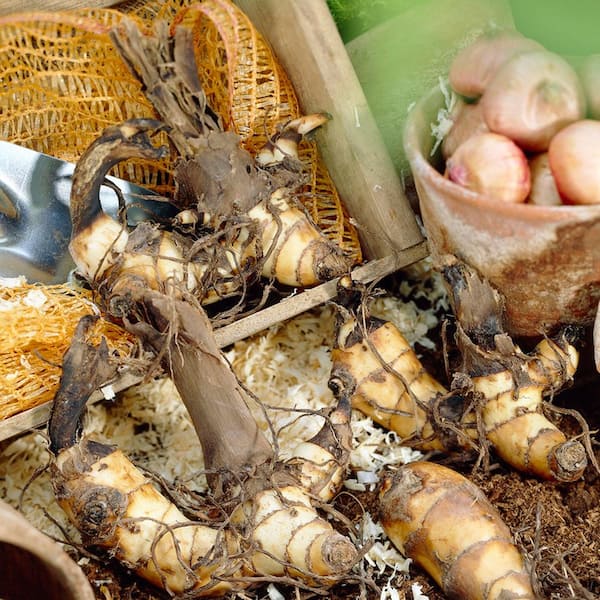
[[467, 121], [532, 97], [543, 186], [476, 65], [492, 165], [574, 156]]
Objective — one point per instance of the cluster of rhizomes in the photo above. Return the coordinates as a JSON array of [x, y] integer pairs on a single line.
[[496, 397], [156, 280], [238, 218]]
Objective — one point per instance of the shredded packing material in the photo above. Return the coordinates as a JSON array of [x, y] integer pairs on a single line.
[[37, 325], [62, 82]]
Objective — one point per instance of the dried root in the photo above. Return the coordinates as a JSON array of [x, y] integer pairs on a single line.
[[275, 239], [155, 282], [445, 523], [521, 434], [293, 248], [284, 144], [291, 539], [276, 533], [322, 461], [280, 521]]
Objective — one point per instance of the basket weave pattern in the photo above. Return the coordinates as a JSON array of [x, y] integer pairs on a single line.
[[38, 323]]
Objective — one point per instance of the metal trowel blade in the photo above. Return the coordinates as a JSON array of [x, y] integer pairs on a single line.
[[35, 223]]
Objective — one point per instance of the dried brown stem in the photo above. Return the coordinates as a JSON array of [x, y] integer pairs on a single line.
[[64, 426], [169, 84], [214, 174], [218, 405], [120, 142]]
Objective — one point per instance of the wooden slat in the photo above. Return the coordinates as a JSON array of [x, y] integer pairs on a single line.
[[295, 305], [35, 417], [307, 43]]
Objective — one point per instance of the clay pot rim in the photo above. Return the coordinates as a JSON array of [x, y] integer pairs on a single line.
[[415, 143], [17, 531]]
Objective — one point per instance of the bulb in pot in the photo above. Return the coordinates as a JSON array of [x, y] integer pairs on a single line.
[[543, 186], [492, 165], [476, 65], [532, 97], [574, 157], [467, 121]]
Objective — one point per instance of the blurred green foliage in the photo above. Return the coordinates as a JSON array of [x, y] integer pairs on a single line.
[[563, 26], [354, 17], [568, 27]]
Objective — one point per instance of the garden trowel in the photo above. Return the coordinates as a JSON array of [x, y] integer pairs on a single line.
[[35, 224]]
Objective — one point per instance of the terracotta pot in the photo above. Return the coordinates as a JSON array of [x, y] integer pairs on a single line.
[[34, 566], [544, 259]]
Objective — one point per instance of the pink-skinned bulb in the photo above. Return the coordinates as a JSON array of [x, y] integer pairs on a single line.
[[574, 156], [492, 165]]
